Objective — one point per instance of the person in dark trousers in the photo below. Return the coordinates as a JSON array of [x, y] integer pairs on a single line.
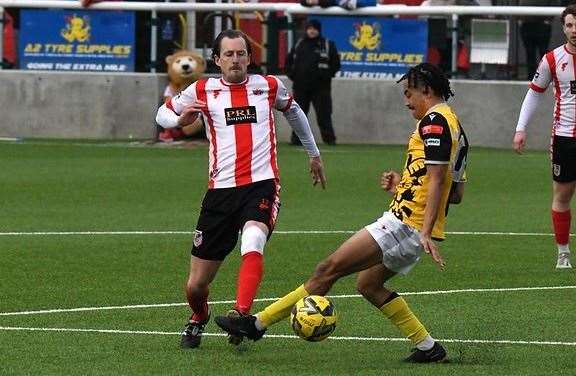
[[311, 65], [536, 32]]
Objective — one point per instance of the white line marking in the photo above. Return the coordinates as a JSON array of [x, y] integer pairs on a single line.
[[45, 233], [286, 232], [160, 305], [283, 336]]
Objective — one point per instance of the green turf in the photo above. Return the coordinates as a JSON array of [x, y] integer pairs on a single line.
[[66, 186]]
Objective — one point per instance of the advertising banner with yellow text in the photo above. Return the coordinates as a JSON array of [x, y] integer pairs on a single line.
[[376, 47], [73, 40]]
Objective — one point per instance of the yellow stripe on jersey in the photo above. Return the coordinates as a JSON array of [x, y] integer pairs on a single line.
[[438, 139]]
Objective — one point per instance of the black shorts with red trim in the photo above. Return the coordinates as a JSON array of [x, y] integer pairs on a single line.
[[563, 159], [225, 211]]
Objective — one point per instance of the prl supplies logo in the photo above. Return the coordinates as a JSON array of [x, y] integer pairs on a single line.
[[366, 36], [240, 115], [77, 29]]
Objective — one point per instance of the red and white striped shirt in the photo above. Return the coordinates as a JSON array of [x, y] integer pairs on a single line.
[[239, 126], [559, 67]]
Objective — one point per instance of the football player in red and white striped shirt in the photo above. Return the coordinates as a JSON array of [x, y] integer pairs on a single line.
[[558, 67], [243, 177]]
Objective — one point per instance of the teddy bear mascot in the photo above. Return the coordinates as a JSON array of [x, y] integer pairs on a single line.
[[184, 68]]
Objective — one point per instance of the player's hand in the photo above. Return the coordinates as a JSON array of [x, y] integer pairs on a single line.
[[317, 171], [519, 141], [389, 180], [191, 112], [432, 250]]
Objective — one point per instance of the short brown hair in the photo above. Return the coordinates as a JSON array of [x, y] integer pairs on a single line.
[[570, 9], [231, 34]]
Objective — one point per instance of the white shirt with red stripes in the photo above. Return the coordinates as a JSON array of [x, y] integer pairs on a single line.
[[239, 126], [558, 67]]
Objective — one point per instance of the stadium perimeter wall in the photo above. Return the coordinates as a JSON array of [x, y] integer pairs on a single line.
[[122, 106]]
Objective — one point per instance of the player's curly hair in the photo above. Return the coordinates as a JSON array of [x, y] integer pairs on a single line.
[[231, 34], [570, 9], [428, 75]]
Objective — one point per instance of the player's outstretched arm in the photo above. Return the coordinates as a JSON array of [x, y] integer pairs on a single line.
[[389, 181]]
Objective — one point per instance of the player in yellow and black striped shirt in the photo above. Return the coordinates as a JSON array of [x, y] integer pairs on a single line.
[[438, 143], [433, 176]]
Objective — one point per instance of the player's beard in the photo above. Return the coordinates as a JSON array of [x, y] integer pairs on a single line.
[[235, 76]]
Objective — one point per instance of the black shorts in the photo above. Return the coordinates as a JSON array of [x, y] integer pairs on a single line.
[[563, 152], [225, 211]]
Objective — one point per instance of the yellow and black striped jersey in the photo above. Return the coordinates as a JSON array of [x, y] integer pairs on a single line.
[[438, 139]]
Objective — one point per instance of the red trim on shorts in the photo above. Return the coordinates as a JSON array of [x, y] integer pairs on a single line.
[[275, 207], [551, 150], [574, 71], [243, 135], [201, 95], [272, 93], [552, 64]]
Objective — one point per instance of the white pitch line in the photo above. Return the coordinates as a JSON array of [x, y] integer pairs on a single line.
[[287, 232], [160, 305], [284, 336], [48, 233]]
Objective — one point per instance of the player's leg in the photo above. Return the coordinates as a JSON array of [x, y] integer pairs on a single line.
[[214, 238], [564, 183], [370, 283], [202, 273], [253, 240], [260, 208], [561, 220], [400, 251], [357, 253]]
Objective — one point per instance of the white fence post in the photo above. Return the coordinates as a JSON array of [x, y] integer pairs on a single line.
[[454, 44]]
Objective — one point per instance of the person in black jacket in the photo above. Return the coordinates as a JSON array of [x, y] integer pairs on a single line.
[[311, 65]]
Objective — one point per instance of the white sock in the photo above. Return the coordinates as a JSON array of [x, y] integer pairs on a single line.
[[563, 248], [259, 324], [426, 344]]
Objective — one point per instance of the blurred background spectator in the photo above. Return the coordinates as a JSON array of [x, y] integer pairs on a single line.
[[535, 33], [311, 65]]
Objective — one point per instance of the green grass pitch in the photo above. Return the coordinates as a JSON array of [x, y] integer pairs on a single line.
[[69, 216]]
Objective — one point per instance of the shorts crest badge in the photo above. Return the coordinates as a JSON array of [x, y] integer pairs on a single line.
[[197, 238], [556, 169]]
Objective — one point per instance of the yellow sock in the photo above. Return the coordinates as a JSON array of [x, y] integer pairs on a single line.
[[400, 314], [281, 308]]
